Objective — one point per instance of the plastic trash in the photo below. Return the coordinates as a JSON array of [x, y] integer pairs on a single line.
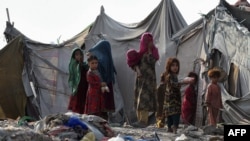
[[128, 138], [89, 137], [98, 134], [117, 138], [182, 138], [75, 121]]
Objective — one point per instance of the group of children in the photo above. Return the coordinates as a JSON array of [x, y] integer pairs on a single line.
[[170, 104], [173, 108], [89, 89], [91, 92]]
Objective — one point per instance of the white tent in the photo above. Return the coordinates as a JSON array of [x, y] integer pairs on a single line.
[[46, 65]]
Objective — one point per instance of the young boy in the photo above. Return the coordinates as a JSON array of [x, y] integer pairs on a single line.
[[213, 99]]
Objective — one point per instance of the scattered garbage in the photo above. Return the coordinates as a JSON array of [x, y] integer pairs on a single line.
[[77, 127]]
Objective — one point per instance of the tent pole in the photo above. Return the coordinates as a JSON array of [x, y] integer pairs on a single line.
[[8, 16]]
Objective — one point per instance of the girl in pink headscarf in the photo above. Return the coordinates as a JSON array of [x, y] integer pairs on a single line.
[[147, 46], [145, 86]]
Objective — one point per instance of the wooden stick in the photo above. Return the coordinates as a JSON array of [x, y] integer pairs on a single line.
[[8, 16]]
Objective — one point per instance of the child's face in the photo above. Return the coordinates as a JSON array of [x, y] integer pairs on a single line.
[[174, 68], [93, 64], [78, 56], [214, 79]]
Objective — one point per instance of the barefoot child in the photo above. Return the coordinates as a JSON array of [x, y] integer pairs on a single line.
[[213, 97]]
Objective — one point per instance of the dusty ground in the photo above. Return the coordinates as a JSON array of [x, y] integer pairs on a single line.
[[10, 130], [149, 134]]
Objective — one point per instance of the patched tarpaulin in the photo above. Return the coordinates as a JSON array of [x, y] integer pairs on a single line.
[[163, 22], [232, 40], [12, 94], [222, 36], [47, 64]]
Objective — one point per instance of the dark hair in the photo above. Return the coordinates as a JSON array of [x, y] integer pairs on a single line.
[[194, 75], [74, 53], [92, 57], [169, 63]]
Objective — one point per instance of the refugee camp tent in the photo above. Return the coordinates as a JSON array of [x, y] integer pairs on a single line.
[[220, 36], [11, 62], [162, 22], [45, 73], [219, 39]]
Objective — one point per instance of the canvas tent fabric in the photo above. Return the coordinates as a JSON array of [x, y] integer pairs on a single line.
[[12, 98], [219, 37], [231, 39], [162, 22], [222, 36], [45, 74], [46, 65]]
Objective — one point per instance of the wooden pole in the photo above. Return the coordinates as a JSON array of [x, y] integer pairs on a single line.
[[8, 16]]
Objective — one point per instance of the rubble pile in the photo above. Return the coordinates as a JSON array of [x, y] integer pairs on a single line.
[[76, 127]]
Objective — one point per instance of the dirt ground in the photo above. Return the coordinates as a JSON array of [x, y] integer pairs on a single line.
[[151, 133]]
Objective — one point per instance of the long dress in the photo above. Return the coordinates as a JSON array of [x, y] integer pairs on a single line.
[[107, 70], [172, 100], [77, 101], [189, 105], [95, 103], [145, 86], [214, 102]]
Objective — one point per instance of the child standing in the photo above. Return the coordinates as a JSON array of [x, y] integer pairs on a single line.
[[189, 101], [95, 103], [77, 81], [145, 83], [106, 68], [172, 101], [213, 99]]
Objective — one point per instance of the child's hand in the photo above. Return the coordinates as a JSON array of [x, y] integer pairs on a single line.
[[138, 74], [88, 54], [188, 80], [105, 89], [103, 84]]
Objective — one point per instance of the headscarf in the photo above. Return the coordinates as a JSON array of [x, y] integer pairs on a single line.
[[145, 39], [132, 57], [74, 71], [102, 50]]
